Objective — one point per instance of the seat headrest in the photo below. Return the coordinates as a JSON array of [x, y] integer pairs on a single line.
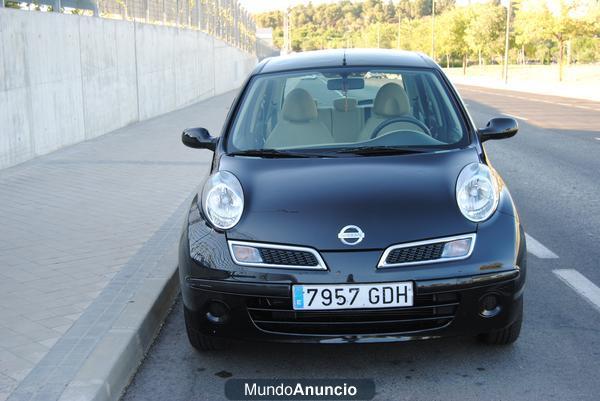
[[391, 101], [345, 104], [299, 106]]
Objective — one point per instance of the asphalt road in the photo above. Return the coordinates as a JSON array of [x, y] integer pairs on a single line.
[[552, 168]]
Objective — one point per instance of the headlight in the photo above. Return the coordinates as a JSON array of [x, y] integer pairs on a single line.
[[477, 192], [223, 200]]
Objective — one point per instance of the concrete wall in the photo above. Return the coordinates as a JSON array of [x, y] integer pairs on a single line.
[[65, 78]]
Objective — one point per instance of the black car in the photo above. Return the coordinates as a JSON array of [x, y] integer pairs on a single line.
[[350, 199]]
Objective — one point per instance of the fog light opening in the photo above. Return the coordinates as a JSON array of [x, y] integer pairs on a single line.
[[489, 306], [457, 248], [246, 254], [218, 312]]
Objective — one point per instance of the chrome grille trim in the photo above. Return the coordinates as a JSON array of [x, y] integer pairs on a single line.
[[383, 264], [320, 262]]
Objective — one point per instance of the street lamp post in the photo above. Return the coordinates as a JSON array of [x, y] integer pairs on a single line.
[[398, 40], [506, 42], [286, 31], [433, 29]]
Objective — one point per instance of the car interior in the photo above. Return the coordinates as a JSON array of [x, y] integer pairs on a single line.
[[299, 123], [302, 111]]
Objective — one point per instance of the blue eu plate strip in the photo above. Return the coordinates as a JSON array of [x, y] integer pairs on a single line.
[[298, 297]]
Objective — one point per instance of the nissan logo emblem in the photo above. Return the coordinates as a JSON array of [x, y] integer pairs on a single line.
[[351, 235]]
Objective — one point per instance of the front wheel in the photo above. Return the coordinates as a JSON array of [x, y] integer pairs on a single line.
[[200, 341], [504, 336]]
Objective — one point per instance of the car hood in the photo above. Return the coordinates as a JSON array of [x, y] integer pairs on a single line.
[[307, 201]]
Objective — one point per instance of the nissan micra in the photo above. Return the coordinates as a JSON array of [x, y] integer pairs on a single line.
[[350, 199]]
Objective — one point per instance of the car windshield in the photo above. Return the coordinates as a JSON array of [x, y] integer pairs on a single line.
[[346, 110]]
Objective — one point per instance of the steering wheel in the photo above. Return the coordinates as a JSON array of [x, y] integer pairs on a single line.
[[404, 119]]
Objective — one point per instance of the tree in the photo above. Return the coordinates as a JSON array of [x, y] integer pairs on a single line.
[[539, 26], [373, 11], [484, 33], [451, 35], [476, 29], [415, 34], [444, 5], [390, 12], [421, 8], [270, 19], [562, 26], [404, 10]]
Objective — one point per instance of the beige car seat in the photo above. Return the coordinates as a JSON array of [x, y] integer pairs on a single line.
[[299, 124], [391, 101]]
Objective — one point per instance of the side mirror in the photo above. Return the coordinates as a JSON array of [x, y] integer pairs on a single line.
[[499, 128], [199, 138]]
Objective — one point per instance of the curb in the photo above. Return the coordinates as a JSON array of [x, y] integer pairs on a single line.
[[112, 365]]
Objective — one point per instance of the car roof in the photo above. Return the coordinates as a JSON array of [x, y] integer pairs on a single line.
[[345, 57]]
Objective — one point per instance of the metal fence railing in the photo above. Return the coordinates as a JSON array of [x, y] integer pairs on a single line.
[[224, 19]]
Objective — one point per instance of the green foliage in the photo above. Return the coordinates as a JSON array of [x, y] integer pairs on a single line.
[[452, 36], [470, 32], [484, 33]]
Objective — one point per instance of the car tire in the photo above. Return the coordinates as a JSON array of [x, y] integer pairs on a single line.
[[505, 336], [200, 341]]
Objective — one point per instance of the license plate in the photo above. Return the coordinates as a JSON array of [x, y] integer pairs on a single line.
[[352, 296]]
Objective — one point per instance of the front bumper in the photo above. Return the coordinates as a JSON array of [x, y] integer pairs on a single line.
[[227, 300], [263, 312]]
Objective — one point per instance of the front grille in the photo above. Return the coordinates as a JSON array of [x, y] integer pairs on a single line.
[[430, 311], [287, 257], [415, 254]]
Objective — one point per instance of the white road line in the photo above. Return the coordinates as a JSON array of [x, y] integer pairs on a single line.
[[581, 284], [537, 249], [598, 139], [517, 117]]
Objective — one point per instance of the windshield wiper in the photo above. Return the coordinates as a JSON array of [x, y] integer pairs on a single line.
[[383, 150], [273, 153]]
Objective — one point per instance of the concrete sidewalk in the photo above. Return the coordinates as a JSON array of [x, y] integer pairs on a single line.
[[80, 227]]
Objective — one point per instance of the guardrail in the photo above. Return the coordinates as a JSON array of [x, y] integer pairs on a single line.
[[224, 19]]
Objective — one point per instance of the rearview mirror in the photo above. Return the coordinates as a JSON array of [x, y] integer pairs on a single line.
[[344, 84], [499, 128], [199, 138]]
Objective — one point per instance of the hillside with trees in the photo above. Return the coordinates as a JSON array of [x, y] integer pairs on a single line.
[[541, 32]]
